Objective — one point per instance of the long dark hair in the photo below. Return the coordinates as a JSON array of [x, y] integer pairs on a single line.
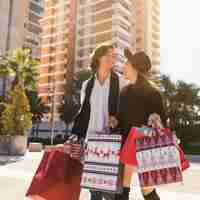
[[97, 54], [142, 63]]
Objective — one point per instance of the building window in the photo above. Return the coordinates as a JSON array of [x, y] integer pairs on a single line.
[[81, 42], [106, 26], [81, 32], [39, 1], [32, 41], [124, 26], [124, 5], [123, 37], [81, 21], [103, 37], [34, 18], [34, 29], [80, 64], [36, 8], [103, 15], [102, 5], [82, 1], [81, 53]]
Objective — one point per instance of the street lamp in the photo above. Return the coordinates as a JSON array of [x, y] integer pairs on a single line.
[[52, 92]]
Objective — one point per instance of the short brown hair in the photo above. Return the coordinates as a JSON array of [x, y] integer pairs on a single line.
[[98, 53]]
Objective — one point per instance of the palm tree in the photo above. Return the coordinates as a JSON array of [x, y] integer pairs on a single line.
[[189, 102], [168, 89], [37, 108], [181, 100], [71, 102], [20, 65]]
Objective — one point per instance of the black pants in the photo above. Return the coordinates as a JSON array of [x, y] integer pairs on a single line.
[[96, 195]]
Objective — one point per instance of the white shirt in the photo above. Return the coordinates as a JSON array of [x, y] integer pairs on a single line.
[[99, 99]]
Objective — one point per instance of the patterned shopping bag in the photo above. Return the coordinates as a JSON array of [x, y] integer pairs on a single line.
[[158, 159], [101, 170]]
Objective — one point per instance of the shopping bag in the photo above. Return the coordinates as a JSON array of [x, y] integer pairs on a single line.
[[158, 158], [128, 171], [57, 177], [184, 162], [102, 169]]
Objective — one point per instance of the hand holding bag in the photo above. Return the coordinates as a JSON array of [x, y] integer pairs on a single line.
[[102, 169], [156, 153], [57, 177]]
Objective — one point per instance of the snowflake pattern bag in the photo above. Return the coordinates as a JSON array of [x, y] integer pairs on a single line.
[[158, 159], [101, 170]]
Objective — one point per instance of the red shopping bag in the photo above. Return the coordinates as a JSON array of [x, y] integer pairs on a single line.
[[128, 152], [159, 158], [57, 177], [184, 162]]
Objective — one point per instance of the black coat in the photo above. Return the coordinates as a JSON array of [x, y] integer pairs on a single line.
[[82, 119], [137, 102]]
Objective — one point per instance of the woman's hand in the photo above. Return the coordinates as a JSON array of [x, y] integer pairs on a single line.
[[67, 147], [112, 122], [68, 144], [76, 151], [155, 121], [73, 148]]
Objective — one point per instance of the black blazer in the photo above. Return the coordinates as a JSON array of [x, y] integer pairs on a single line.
[[137, 102]]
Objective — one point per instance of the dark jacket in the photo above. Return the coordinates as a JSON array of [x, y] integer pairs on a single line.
[[137, 102], [82, 119]]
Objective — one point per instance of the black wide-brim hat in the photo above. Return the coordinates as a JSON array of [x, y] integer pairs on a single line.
[[140, 60]]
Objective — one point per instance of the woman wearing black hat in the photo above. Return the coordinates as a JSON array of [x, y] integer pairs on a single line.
[[138, 101]]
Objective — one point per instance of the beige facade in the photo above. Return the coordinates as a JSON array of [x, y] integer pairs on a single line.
[[19, 20], [20, 25], [12, 20], [57, 50], [33, 28], [103, 21], [147, 14], [12, 34], [128, 23]]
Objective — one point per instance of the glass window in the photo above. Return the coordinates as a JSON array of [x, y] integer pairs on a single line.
[[36, 8]]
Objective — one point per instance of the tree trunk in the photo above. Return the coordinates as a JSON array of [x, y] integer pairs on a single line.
[[4, 79], [37, 128]]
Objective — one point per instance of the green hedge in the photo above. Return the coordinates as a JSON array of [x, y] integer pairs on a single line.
[[192, 150], [189, 133]]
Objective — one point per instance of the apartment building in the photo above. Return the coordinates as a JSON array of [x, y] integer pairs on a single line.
[[147, 15], [57, 49]]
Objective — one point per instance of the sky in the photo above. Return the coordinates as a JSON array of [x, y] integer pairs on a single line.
[[180, 39]]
